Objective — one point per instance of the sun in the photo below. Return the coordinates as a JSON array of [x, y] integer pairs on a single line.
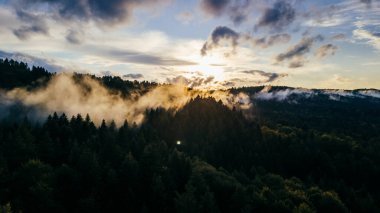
[[210, 66]]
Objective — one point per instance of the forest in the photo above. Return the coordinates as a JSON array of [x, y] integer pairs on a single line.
[[312, 155]]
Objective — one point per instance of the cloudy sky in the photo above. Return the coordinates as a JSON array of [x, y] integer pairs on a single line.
[[201, 43]]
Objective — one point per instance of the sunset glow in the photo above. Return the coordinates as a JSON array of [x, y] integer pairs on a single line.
[[323, 44]]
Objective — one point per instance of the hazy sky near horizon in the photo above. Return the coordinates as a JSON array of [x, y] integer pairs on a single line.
[[201, 43]]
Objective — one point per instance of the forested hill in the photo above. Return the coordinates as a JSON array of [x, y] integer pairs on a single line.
[[205, 157], [16, 74], [19, 74], [353, 113]]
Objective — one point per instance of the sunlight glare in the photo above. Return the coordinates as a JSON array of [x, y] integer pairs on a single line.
[[210, 66]]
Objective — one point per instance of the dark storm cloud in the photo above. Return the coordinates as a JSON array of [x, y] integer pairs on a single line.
[[74, 36], [270, 77], [110, 11], [133, 76], [280, 15], [220, 33], [34, 25], [266, 42], [31, 60], [236, 10], [296, 54], [325, 50]]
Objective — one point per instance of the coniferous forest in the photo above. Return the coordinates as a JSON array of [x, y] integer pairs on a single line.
[[304, 155]]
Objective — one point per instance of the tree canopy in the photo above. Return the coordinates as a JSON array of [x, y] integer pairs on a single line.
[[280, 161]]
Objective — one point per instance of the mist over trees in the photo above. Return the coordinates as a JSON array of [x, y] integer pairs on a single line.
[[314, 156]]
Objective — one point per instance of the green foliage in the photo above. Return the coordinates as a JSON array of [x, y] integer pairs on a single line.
[[19, 74], [6, 208], [282, 162]]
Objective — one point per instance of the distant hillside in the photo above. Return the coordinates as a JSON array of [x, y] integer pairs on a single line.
[[18, 74], [347, 112]]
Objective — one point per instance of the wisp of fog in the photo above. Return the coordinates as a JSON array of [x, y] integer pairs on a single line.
[[64, 95]]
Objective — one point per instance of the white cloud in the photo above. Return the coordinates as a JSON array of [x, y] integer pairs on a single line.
[[326, 21], [370, 38]]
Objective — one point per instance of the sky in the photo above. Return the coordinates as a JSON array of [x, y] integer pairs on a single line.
[[200, 43]]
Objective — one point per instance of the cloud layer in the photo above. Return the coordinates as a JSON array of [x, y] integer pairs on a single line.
[[271, 40], [120, 36], [291, 95], [296, 54], [88, 96], [192, 82], [268, 76], [325, 50], [35, 25], [110, 11], [371, 38], [34, 15]]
